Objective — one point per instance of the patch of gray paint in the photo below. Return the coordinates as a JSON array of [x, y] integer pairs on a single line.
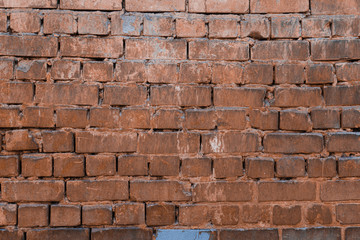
[[184, 234], [128, 24], [24, 66]]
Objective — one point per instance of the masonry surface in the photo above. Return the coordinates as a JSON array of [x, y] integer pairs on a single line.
[[180, 119]]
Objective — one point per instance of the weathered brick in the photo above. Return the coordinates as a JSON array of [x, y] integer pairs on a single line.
[[255, 27], [334, 7], [225, 215], [265, 120], [259, 167], [3, 21], [33, 191], [223, 142], [285, 27], [91, 5], [59, 22], [125, 95], [164, 166], [126, 24], [71, 117], [156, 25], [100, 142], [16, 92], [135, 118], [200, 119], [195, 73], [190, 27], [98, 71], [352, 233], [167, 119], [58, 141], [96, 215], [293, 142], [348, 71], [65, 70], [10, 117], [223, 28], [25, 21], [20, 140], [290, 73], [39, 117], [312, 233], [228, 167], [11, 235], [36, 165], [7, 214], [280, 50], [255, 213], [222, 192], [33, 215], [342, 95], [69, 165], [346, 26], [349, 167], [97, 190], [319, 214], [218, 50], [196, 167], [316, 27], [258, 73], [153, 48], [9, 166], [347, 213], [66, 94], [6, 69], [160, 214], [162, 72], [130, 71], [65, 215], [105, 117], [159, 190], [335, 49], [286, 191], [155, 6], [239, 97], [121, 233], [130, 213], [263, 234], [213, 6], [339, 191], [93, 23], [231, 119], [29, 4], [320, 73], [100, 165], [298, 97], [290, 167], [343, 142], [350, 117], [295, 120], [132, 165], [276, 6], [227, 73], [286, 215], [27, 69], [58, 234], [93, 47], [321, 167], [324, 118], [194, 215]]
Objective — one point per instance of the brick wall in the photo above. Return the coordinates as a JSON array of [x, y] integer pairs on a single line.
[[180, 119]]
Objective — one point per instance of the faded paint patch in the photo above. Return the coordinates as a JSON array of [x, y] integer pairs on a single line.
[[188, 234], [216, 144]]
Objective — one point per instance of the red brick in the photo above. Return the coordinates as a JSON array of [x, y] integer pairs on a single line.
[[276, 6], [7, 214], [319, 214], [121, 233], [164, 166], [91, 5], [33, 215], [160, 214], [259, 167], [167, 143], [286, 191], [97, 190], [255, 27], [286, 215], [9, 166], [339, 191], [71, 117], [293, 142], [3, 21], [257, 73], [343, 142], [196, 167], [298, 97], [346, 26], [321, 167], [105, 117], [325, 118], [167, 119], [27, 69], [295, 120], [93, 23], [97, 215], [66, 94], [312, 233], [162, 73], [130, 72], [195, 73], [132, 165], [135, 118], [264, 120], [222, 192], [100, 165], [59, 22], [10, 117], [227, 73], [19, 140], [316, 27], [100, 142], [280, 50], [262, 234], [25, 21], [223, 28], [223, 142], [65, 70], [32, 46], [352, 232], [159, 190], [29, 4], [225, 215], [334, 7], [65, 215], [130, 213], [349, 167], [290, 167], [58, 141], [213, 6], [320, 73], [285, 27], [239, 97], [290, 73], [348, 213], [180, 95], [256, 213], [69, 165], [341, 95], [231, 119], [92, 47], [36, 165], [6, 69], [58, 234], [200, 119], [16, 92], [155, 6], [194, 215], [153, 48], [156, 25], [348, 71], [38, 117], [218, 50], [32, 191], [228, 167], [125, 95], [350, 118], [190, 27], [126, 24], [98, 71], [335, 49]]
